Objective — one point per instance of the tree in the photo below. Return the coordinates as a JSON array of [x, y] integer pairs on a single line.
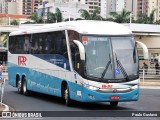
[[51, 18], [122, 17], [14, 22], [152, 16], [157, 22], [36, 18], [58, 15], [4, 35], [78, 19], [69, 19], [143, 18], [90, 16], [54, 17]]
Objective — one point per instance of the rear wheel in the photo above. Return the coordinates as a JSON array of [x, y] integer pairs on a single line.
[[114, 104], [66, 96], [24, 87], [19, 87]]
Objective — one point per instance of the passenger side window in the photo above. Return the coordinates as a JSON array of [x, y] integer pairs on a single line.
[[49, 43], [19, 44], [39, 43]]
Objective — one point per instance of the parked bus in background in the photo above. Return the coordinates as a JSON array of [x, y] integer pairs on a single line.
[[87, 61]]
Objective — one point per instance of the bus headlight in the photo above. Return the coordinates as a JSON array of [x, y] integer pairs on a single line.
[[90, 87], [93, 88], [134, 87]]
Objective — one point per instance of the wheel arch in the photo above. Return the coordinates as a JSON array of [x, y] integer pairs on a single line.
[[17, 79], [63, 85], [23, 76]]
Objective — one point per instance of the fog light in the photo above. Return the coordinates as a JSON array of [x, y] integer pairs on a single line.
[[135, 96]]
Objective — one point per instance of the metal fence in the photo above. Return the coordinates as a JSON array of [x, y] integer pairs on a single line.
[[149, 73], [150, 77]]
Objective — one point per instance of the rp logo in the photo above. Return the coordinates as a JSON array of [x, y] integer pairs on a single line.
[[22, 60]]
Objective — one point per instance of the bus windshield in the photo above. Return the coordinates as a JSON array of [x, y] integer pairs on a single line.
[[110, 59]]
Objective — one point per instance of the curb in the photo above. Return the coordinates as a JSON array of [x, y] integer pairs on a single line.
[[6, 107], [149, 87]]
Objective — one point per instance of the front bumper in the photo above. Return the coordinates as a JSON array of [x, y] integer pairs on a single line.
[[93, 96]]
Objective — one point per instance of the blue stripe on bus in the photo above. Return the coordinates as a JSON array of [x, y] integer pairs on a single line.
[[36, 81], [56, 59], [43, 83]]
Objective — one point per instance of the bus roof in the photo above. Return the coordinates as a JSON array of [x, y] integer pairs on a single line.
[[81, 26]]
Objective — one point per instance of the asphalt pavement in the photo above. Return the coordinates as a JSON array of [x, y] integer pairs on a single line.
[[148, 84]]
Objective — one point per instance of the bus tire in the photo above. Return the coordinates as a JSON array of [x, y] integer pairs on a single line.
[[19, 87], [114, 104], [66, 96], [24, 87]]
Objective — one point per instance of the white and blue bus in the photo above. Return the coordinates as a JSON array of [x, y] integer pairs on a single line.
[[87, 61]]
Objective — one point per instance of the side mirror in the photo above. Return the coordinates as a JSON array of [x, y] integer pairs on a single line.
[[81, 49], [145, 49]]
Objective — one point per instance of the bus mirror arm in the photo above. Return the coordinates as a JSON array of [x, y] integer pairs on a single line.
[[145, 49], [81, 49]]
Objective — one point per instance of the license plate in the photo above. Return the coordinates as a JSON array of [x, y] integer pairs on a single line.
[[114, 97]]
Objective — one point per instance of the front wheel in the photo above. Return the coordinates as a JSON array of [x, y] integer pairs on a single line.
[[66, 96], [114, 104], [24, 87]]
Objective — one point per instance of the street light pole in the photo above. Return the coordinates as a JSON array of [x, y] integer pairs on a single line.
[[9, 21], [130, 20]]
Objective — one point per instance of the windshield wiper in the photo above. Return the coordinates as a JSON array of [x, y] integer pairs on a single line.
[[122, 68], [106, 68]]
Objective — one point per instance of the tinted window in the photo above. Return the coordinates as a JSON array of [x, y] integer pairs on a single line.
[[39, 43], [19, 44], [49, 43]]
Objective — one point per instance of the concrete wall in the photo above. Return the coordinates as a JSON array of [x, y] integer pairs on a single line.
[[150, 41]]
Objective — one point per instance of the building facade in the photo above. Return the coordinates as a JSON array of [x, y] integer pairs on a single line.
[[142, 6], [93, 5], [146, 7], [108, 6], [25, 7], [154, 5], [30, 6], [19, 7], [8, 6], [69, 10]]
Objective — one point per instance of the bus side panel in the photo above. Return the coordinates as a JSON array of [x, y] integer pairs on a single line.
[[41, 76], [44, 83], [76, 91], [14, 70], [36, 81], [12, 74]]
